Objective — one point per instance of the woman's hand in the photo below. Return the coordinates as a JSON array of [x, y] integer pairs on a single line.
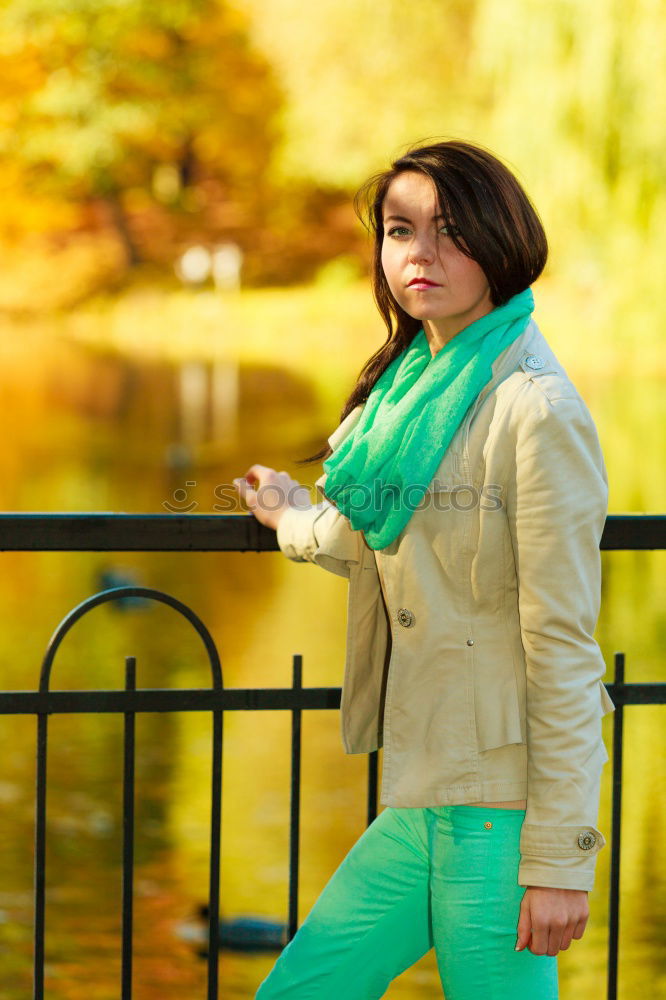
[[550, 918], [268, 494]]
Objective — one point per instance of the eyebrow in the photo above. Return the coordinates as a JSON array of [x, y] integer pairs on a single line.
[[403, 218]]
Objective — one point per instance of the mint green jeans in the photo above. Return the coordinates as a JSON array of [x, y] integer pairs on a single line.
[[445, 877]]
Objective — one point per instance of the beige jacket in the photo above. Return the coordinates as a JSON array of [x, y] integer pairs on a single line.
[[470, 649]]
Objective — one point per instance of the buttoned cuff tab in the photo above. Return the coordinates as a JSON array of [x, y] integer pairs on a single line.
[[560, 842], [295, 533]]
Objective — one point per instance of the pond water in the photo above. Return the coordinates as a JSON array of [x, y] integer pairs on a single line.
[[89, 431]]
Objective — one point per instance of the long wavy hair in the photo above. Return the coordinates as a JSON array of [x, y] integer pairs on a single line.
[[490, 218]]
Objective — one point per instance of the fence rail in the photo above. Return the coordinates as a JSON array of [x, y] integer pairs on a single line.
[[130, 532], [102, 532]]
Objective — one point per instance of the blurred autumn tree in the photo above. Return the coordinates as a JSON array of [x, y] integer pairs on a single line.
[[254, 120], [364, 79], [154, 120], [571, 94]]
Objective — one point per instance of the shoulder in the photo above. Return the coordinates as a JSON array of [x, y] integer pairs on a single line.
[[539, 387], [541, 421]]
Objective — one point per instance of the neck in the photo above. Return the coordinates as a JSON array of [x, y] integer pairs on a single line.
[[443, 329]]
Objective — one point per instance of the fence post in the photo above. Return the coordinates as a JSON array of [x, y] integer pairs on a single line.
[[295, 817], [616, 822], [128, 835]]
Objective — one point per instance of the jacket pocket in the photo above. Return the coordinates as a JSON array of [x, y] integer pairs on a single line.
[[496, 707]]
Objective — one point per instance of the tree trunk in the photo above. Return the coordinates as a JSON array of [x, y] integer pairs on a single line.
[[119, 222]]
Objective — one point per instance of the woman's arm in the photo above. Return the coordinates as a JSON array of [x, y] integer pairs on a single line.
[[306, 532], [556, 507]]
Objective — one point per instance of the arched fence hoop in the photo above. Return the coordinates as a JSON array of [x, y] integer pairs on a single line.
[[114, 594], [65, 626]]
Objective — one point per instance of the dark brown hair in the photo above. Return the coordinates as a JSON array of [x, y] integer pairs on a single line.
[[490, 218]]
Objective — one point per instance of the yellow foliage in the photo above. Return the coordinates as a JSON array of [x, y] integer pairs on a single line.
[[57, 277]]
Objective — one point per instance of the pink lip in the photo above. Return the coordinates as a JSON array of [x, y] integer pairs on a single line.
[[422, 283]]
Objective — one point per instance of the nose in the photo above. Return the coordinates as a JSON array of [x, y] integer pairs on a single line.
[[422, 249]]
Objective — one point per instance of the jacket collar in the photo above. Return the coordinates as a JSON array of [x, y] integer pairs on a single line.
[[530, 343]]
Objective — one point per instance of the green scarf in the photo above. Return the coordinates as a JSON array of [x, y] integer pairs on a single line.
[[381, 471]]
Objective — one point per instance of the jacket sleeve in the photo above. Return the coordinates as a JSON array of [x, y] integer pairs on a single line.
[[319, 534], [557, 495]]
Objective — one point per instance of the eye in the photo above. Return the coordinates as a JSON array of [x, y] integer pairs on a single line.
[[398, 231], [449, 231]]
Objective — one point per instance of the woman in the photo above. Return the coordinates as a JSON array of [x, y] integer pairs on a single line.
[[464, 498]]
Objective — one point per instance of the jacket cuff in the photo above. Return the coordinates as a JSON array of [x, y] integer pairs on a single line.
[[319, 534], [295, 533], [562, 857]]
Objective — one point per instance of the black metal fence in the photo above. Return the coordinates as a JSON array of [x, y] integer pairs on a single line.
[[145, 532]]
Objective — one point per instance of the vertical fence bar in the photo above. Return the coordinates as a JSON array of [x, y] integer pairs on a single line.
[[616, 821], [373, 757], [40, 856], [215, 849], [295, 811], [128, 834]]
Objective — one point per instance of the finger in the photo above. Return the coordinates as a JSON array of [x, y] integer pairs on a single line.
[[237, 483], [573, 929], [539, 945], [527, 943], [257, 472], [246, 492], [524, 926], [566, 937], [580, 928], [554, 939]]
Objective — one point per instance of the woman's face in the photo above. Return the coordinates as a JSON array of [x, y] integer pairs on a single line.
[[428, 275]]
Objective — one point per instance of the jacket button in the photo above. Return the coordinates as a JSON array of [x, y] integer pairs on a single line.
[[470, 642], [535, 362], [405, 617], [587, 840]]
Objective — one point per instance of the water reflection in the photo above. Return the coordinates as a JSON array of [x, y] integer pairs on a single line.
[[117, 435]]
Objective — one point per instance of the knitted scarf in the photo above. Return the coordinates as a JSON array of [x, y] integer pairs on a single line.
[[381, 471]]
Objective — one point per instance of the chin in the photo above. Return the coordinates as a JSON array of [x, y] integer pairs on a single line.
[[419, 314], [426, 314]]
